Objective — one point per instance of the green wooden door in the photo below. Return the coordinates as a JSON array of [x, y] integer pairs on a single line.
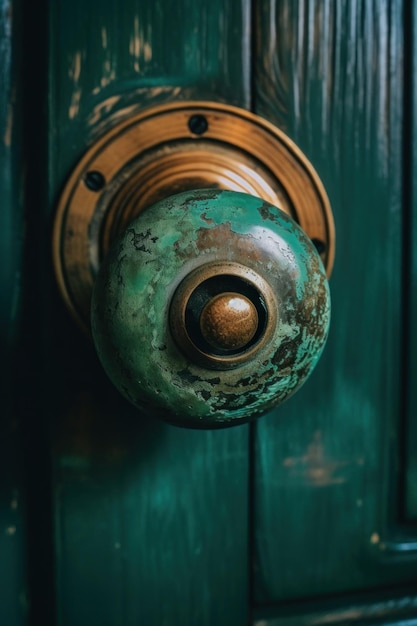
[[308, 516]]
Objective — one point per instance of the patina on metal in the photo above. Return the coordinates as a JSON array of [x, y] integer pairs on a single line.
[[168, 149], [229, 321], [197, 298], [183, 255]]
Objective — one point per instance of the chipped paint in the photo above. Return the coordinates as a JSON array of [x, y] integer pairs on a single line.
[[136, 44], [113, 109], [109, 73], [104, 41], [102, 109], [74, 74], [75, 104], [147, 51], [133, 292], [74, 71], [140, 48], [7, 137]]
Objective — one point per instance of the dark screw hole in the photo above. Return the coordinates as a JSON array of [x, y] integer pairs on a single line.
[[319, 245], [95, 181], [197, 124]]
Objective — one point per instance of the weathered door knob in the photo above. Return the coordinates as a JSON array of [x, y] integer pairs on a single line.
[[213, 305]]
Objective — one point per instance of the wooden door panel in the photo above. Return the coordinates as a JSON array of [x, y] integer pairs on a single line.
[[150, 520], [301, 517], [330, 74], [410, 269]]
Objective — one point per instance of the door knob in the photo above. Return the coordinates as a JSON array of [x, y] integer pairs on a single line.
[[211, 305]]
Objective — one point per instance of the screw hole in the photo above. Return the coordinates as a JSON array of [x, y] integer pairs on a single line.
[[94, 181], [198, 124], [319, 245]]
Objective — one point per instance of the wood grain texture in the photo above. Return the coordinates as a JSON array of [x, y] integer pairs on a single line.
[[124, 56], [330, 74], [151, 521], [410, 360]]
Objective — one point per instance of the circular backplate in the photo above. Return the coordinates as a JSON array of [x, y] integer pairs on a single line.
[[168, 149]]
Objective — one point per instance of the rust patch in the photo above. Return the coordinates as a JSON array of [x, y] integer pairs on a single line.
[[222, 236]]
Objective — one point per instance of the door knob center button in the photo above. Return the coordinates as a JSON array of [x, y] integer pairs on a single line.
[[229, 321], [221, 314]]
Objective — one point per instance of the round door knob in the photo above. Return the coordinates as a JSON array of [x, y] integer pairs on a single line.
[[210, 306], [210, 309], [229, 321]]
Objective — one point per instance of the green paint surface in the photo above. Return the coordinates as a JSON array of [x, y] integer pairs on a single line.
[[132, 297], [297, 518], [151, 521], [410, 343], [327, 490]]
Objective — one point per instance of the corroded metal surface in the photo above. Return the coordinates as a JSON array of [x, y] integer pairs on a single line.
[[178, 237], [229, 321], [171, 148]]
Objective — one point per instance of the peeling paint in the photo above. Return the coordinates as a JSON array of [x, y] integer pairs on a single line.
[[108, 73], [135, 47], [7, 138], [142, 273], [74, 73], [104, 37], [102, 109], [75, 104], [147, 51], [140, 47]]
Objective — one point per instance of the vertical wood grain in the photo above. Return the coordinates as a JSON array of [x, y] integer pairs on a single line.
[[150, 520], [410, 284], [330, 74]]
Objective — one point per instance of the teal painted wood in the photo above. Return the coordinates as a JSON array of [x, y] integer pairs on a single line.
[[410, 430], [13, 573], [122, 58], [330, 74], [150, 520]]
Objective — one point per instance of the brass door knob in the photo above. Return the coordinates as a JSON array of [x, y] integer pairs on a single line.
[[213, 305]]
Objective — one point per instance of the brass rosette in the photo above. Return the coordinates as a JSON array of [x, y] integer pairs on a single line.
[[168, 149]]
